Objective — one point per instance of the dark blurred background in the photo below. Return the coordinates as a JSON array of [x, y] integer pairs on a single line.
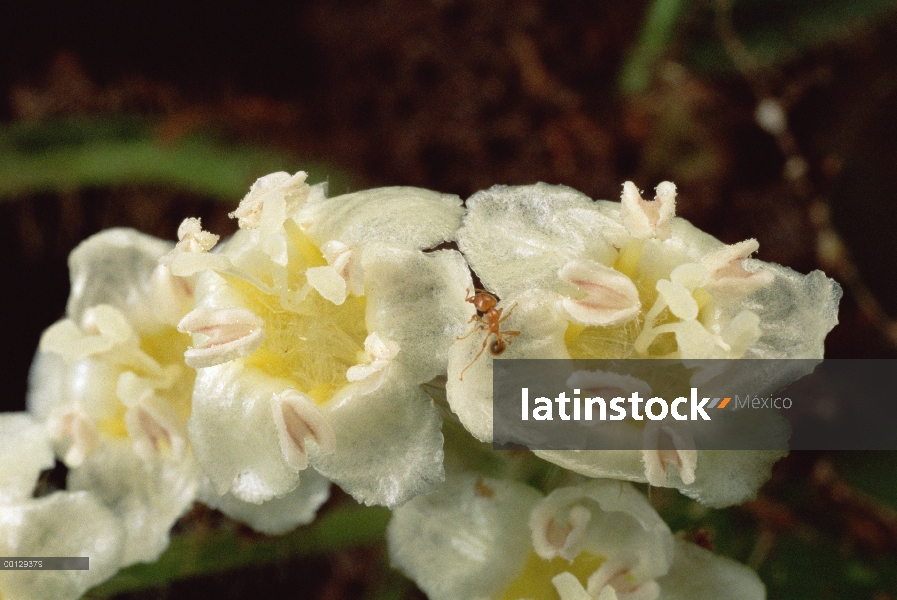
[[141, 113]]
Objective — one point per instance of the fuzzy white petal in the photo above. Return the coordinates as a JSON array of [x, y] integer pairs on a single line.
[[467, 541], [120, 267], [417, 301], [278, 515], [698, 574], [25, 451], [388, 442], [407, 216], [148, 496], [61, 524], [542, 335], [234, 435], [796, 313], [518, 238]]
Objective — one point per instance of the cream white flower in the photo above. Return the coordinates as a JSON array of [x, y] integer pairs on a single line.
[[111, 384], [493, 539], [312, 333], [71, 523], [605, 280]]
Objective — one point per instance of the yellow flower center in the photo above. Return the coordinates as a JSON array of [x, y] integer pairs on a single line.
[[315, 342], [165, 347], [618, 341], [534, 581]]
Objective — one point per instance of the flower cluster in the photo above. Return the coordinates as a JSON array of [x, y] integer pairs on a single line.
[[305, 350]]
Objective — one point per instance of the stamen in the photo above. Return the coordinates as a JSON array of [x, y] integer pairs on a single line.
[[293, 188], [614, 580], [728, 277], [741, 333], [559, 529], [679, 299], [191, 238], [299, 420], [225, 334], [669, 444], [329, 283], [345, 262], [149, 436], [78, 433], [380, 353], [611, 297], [644, 219], [191, 254], [102, 329], [569, 588]]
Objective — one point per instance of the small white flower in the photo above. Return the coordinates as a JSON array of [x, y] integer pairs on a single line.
[[314, 338], [110, 382], [483, 538], [605, 280]]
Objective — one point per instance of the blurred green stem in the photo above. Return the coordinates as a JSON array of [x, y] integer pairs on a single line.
[[68, 154], [207, 552], [657, 32]]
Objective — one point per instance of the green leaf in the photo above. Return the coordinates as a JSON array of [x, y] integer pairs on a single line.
[[67, 154]]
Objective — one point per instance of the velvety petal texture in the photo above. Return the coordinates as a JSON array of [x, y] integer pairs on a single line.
[[389, 441], [278, 515], [120, 267], [25, 451], [698, 574], [405, 216], [61, 524], [147, 496], [466, 541], [469, 383], [517, 238]]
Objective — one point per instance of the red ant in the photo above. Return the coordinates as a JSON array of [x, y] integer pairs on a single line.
[[489, 320]]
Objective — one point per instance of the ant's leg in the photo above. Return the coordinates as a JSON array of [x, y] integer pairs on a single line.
[[480, 326], [510, 310], [475, 358]]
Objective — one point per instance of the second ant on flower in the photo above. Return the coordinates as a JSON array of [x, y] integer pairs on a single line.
[[488, 318]]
